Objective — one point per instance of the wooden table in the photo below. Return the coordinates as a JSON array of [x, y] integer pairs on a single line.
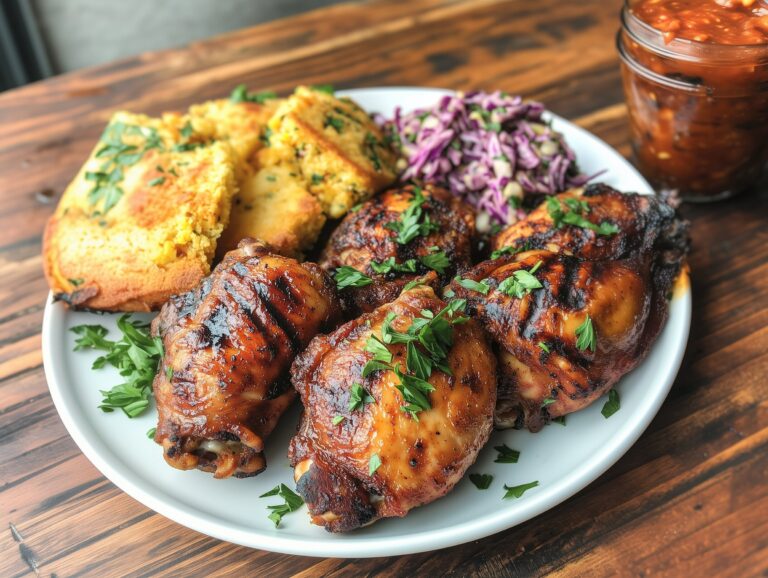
[[689, 499]]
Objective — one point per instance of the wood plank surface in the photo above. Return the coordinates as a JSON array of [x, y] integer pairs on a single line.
[[689, 499]]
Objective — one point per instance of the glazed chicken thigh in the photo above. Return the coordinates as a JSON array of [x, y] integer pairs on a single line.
[[369, 446], [399, 236], [223, 382], [567, 327]]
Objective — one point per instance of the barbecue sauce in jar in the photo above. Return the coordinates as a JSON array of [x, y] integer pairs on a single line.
[[695, 76]]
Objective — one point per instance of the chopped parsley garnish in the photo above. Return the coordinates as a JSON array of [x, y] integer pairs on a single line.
[[413, 222], [136, 356], [169, 373], [359, 397], [509, 250], [571, 212], [612, 405], [481, 481], [346, 276], [415, 283], [337, 419], [335, 122], [585, 335], [76, 282], [521, 282], [548, 401], [317, 179], [373, 155], [518, 491], [437, 260], [292, 502], [156, 181], [151, 433], [506, 455], [241, 94], [559, 420], [327, 88], [544, 347], [428, 341], [389, 265], [115, 155], [472, 285], [374, 464]]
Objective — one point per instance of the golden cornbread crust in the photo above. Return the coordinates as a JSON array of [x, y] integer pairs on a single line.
[[338, 148], [159, 237]]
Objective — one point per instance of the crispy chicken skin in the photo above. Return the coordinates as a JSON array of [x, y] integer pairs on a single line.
[[643, 221], [223, 383], [543, 373], [420, 460], [363, 237]]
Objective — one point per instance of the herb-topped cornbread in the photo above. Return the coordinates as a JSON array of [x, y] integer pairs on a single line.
[[339, 150], [140, 220]]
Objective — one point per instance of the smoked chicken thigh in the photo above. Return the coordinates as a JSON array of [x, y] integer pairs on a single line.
[[223, 383], [369, 236], [358, 458], [568, 328], [642, 223]]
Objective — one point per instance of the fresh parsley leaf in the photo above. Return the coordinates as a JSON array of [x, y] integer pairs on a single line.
[[169, 373], [521, 282], [481, 481], [414, 391], [241, 94], [560, 420], [358, 397], [518, 491], [544, 347], [335, 122], [415, 283], [574, 215], [292, 502], [337, 419], [136, 356], [548, 401], [417, 362], [437, 261], [389, 265], [156, 181], [506, 455], [479, 286], [585, 335], [380, 352], [151, 433], [346, 276], [509, 250], [317, 179], [413, 222], [327, 88], [374, 464], [76, 282], [612, 405]]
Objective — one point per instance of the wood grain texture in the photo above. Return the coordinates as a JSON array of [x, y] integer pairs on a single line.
[[689, 499]]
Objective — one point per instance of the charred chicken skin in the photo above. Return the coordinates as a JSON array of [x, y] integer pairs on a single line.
[[640, 223], [223, 382], [363, 451], [397, 237], [568, 328]]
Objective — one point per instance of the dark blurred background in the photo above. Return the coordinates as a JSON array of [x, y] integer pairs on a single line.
[[41, 38]]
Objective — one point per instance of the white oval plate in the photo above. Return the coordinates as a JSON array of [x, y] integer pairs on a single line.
[[562, 459]]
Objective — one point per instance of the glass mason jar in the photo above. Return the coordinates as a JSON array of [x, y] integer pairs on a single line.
[[698, 111]]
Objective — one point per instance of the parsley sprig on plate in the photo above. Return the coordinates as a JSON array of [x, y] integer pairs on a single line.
[[292, 502], [571, 211], [428, 341], [136, 356]]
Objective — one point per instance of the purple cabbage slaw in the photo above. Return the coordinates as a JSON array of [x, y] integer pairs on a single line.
[[491, 149]]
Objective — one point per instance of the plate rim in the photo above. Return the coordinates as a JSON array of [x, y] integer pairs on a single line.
[[337, 546]]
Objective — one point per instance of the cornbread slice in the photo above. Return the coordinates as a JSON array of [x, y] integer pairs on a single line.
[[274, 205], [242, 124], [339, 149], [140, 221]]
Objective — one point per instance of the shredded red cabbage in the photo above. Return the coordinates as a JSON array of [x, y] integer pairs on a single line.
[[491, 149]]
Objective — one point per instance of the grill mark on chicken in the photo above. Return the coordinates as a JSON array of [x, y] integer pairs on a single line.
[[262, 290]]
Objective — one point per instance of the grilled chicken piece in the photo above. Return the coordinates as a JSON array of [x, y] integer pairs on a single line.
[[643, 221], [223, 383], [420, 460], [546, 371], [365, 236]]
